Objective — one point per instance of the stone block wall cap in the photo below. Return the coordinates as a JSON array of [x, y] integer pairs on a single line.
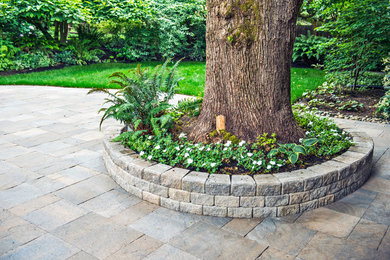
[[218, 184]]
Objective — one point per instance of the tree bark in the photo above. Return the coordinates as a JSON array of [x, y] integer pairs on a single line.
[[249, 49], [56, 30], [64, 32]]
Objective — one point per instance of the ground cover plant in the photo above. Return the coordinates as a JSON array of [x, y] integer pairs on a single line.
[[159, 131], [96, 76]]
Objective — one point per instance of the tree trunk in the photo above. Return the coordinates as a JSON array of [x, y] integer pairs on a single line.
[[249, 49], [56, 30], [64, 32]]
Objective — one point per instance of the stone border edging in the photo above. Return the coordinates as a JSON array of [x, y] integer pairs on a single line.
[[240, 196]]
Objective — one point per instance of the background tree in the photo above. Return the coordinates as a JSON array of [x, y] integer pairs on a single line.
[[249, 49], [360, 31], [43, 13]]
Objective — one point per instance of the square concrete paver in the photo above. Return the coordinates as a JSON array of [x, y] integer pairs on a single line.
[[87, 189], [18, 235], [72, 175], [55, 215], [281, 235], [133, 213], [241, 226], [167, 252], [354, 204], [323, 246], [138, 249], [163, 224], [209, 242], [378, 184], [368, 234], [272, 253], [329, 222], [96, 235], [379, 210], [45, 247], [82, 256], [110, 203], [384, 247], [15, 177], [19, 194]]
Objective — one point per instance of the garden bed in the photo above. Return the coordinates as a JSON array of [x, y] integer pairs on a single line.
[[357, 105], [240, 196]]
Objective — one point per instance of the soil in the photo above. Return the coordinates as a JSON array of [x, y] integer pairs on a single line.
[[369, 98]]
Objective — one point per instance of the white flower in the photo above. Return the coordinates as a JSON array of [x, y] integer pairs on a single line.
[[182, 135], [188, 149], [20, 35], [307, 132], [272, 162], [259, 162], [212, 164], [234, 157], [189, 161], [249, 154], [254, 162], [208, 149], [150, 157], [269, 167], [150, 137], [279, 165], [335, 134], [165, 150], [228, 143], [201, 148], [241, 143], [177, 148], [300, 140], [157, 147], [225, 149], [186, 154], [141, 153], [31, 27]]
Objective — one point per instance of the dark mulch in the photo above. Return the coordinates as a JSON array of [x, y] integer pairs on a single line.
[[369, 98]]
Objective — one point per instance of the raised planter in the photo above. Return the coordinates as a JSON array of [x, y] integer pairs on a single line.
[[240, 196]]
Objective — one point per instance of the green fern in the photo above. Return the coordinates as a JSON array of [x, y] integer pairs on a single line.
[[143, 97]]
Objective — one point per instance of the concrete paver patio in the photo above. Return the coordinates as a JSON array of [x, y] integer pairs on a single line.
[[56, 201]]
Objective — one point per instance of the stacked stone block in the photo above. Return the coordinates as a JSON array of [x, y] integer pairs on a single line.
[[240, 196]]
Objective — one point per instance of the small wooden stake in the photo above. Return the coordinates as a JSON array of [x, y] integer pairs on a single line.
[[220, 122]]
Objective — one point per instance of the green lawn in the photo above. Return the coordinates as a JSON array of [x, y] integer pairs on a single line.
[[96, 75]]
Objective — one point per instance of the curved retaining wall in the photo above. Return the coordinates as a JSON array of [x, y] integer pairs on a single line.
[[240, 196]]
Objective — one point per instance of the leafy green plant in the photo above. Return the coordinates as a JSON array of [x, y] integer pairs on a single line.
[[189, 106], [383, 109], [85, 51], [32, 61], [142, 101], [64, 57], [292, 151], [351, 105], [309, 48]]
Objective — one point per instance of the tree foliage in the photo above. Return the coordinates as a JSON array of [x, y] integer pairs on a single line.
[[360, 32]]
